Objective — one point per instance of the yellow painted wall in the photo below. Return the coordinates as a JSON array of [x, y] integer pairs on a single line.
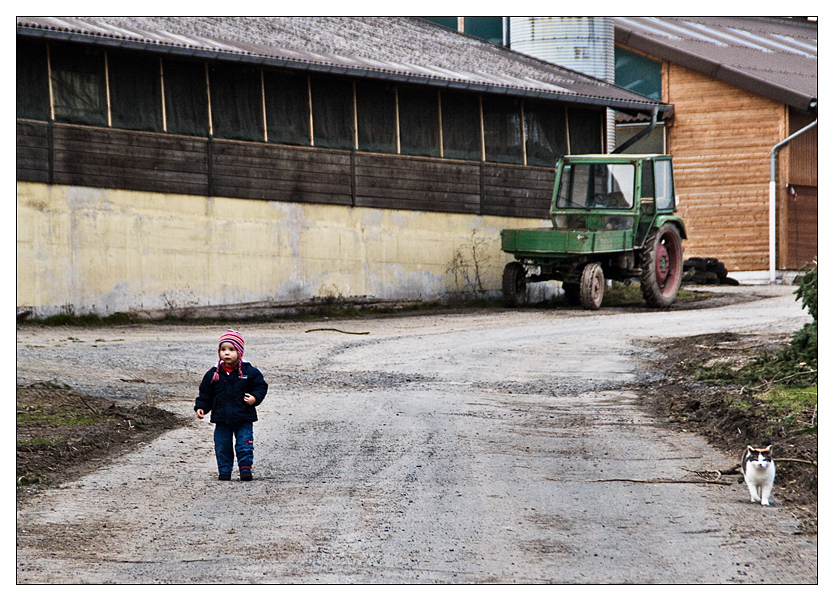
[[106, 251]]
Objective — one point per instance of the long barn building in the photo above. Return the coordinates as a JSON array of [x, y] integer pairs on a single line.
[[167, 163]]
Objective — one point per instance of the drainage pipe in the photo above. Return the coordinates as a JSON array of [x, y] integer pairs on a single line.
[[772, 204]]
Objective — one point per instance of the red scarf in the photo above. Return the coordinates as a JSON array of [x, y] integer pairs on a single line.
[[229, 370]]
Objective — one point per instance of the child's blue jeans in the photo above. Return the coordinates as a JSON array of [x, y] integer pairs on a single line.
[[225, 450]]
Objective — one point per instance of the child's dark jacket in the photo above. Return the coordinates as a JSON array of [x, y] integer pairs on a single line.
[[224, 398]]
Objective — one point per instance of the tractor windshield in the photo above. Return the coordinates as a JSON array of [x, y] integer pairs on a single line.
[[596, 186]]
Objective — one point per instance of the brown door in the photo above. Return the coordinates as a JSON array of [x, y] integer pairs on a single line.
[[801, 226]]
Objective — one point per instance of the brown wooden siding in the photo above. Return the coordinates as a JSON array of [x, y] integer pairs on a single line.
[[33, 151], [417, 184], [112, 158], [721, 141], [511, 190], [292, 174], [88, 156]]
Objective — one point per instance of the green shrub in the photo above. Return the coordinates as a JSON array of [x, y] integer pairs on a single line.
[[803, 347], [807, 291]]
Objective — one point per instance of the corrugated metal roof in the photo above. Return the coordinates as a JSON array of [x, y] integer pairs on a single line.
[[400, 49], [771, 56]]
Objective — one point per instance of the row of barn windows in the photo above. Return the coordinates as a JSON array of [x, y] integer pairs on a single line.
[[73, 83]]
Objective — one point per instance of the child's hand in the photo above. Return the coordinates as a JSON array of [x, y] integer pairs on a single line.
[[249, 399], [200, 413]]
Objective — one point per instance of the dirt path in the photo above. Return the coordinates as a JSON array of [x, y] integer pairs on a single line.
[[482, 447]]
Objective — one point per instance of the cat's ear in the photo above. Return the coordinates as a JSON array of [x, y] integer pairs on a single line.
[[749, 448], [769, 448]]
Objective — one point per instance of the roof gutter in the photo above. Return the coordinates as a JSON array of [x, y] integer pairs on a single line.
[[772, 203]]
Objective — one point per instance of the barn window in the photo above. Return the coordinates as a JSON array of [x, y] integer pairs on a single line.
[[490, 29], [236, 102], [502, 130], [545, 131], [32, 80], [186, 99], [419, 124], [585, 127], [461, 126], [332, 113], [135, 95], [287, 108], [638, 73], [78, 84], [376, 117]]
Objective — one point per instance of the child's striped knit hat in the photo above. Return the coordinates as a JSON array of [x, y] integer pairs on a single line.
[[236, 339]]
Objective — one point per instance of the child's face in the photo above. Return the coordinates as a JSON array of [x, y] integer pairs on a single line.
[[228, 353]]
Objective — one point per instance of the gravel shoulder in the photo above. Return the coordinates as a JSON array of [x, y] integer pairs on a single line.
[[479, 446]]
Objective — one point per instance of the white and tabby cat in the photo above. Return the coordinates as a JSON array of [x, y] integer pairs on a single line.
[[759, 473]]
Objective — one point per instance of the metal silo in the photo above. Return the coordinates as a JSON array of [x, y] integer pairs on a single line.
[[583, 44]]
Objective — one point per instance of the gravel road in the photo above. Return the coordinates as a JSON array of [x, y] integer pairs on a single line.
[[478, 447]]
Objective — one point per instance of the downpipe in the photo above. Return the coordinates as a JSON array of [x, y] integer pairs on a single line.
[[772, 200]]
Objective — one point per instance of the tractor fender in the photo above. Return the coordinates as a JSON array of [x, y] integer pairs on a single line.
[[674, 219]]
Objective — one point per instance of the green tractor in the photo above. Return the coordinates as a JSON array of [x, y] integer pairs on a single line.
[[613, 218]]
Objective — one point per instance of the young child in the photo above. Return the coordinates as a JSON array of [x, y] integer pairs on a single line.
[[230, 391]]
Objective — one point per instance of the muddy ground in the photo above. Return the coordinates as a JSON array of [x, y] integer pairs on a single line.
[[63, 434]]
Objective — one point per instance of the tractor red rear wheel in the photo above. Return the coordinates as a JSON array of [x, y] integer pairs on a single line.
[[661, 262]]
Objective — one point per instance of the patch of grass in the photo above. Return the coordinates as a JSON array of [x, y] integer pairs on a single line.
[[57, 418], [739, 403], [47, 384], [29, 478], [768, 369], [620, 295], [34, 410], [89, 319], [782, 401], [40, 442], [789, 411]]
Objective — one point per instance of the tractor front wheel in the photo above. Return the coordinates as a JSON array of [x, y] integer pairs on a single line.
[[592, 286], [514, 284], [662, 265]]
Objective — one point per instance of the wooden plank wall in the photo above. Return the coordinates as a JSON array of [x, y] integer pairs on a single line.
[[111, 158], [33, 158], [417, 184], [721, 140], [269, 172], [515, 190], [106, 158]]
